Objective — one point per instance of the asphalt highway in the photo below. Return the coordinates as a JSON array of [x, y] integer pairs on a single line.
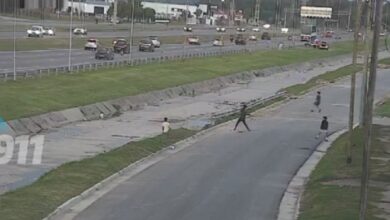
[[230, 175]]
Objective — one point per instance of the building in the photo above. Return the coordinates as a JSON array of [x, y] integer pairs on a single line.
[[93, 7], [9, 5], [170, 10]]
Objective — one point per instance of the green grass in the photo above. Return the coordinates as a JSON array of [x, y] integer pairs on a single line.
[[324, 202], [385, 61], [330, 76], [36, 201], [384, 109], [31, 97]]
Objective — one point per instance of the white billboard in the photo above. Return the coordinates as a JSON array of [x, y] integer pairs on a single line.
[[316, 12]]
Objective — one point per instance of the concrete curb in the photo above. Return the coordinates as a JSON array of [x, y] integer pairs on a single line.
[[98, 190], [290, 203]]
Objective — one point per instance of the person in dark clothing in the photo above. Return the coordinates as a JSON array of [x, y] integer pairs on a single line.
[[317, 102], [242, 118], [324, 128]]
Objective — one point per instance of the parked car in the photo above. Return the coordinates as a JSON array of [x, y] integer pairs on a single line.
[[328, 34], [221, 29], [121, 46], [323, 45], [241, 29], [193, 40], [266, 36], [187, 29], [146, 45], [92, 44], [156, 42], [49, 31], [240, 40], [218, 42], [80, 31], [35, 31], [104, 53], [253, 38]]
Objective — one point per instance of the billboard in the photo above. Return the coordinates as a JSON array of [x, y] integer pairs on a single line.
[[316, 12]]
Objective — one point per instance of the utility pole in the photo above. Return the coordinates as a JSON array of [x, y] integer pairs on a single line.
[[131, 32], [115, 12], [15, 5], [257, 12], [369, 109], [353, 82], [70, 37]]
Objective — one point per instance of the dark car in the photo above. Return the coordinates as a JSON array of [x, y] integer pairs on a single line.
[[240, 40], [146, 45], [266, 36], [187, 29], [121, 46], [104, 54]]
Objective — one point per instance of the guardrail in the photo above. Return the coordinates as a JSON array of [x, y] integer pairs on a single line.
[[26, 74]]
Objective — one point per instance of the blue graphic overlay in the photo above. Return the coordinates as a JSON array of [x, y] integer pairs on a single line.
[[3, 126]]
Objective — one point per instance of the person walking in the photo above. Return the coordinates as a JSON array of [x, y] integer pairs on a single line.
[[165, 126], [324, 128], [242, 118], [317, 102]]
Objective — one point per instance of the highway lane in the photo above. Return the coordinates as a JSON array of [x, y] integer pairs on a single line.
[[229, 175], [30, 60]]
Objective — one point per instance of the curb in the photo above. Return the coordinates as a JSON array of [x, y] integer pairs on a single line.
[[106, 185], [290, 203]]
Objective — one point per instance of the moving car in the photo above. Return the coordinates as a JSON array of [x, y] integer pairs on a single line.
[[121, 46], [221, 29], [187, 29], [218, 42], [48, 31], [329, 34], [146, 45], [323, 45], [35, 31], [240, 40], [80, 31], [266, 36], [92, 44], [241, 29], [194, 40], [253, 38], [104, 53], [256, 29], [156, 41]]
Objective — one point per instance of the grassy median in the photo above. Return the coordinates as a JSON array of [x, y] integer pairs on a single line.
[[30, 97], [333, 191], [383, 108], [36, 201]]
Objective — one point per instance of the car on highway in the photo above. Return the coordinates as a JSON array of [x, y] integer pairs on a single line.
[[218, 42], [104, 54], [187, 29], [256, 29], [240, 40], [80, 31], [156, 41], [121, 46], [221, 29], [265, 36], [91, 44], [241, 29], [35, 31], [146, 45], [49, 31], [252, 38], [193, 40], [323, 45]]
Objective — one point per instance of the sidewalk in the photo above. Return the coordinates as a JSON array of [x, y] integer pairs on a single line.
[[77, 141]]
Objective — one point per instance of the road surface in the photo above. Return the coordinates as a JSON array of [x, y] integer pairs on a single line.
[[229, 175]]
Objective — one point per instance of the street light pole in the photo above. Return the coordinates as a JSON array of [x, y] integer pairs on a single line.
[[131, 32], [368, 113], [15, 4], [70, 37]]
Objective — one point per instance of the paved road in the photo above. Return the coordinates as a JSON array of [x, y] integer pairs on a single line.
[[228, 175]]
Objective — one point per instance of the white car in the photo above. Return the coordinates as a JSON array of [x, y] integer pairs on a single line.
[[155, 41], [193, 40], [35, 31], [221, 29], [256, 29], [218, 43], [80, 31], [253, 38], [49, 31], [241, 29], [92, 44]]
